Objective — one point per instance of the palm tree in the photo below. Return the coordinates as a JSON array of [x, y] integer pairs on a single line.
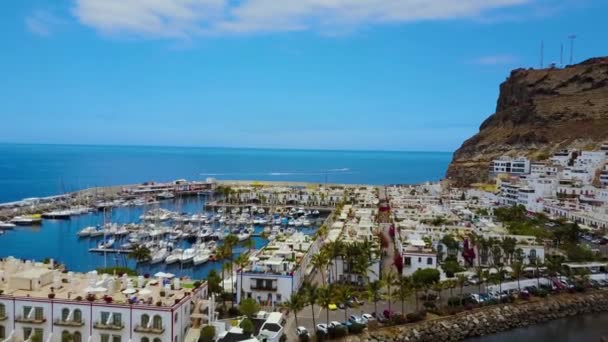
[[230, 241], [337, 251], [518, 270], [404, 290], [320, 261], [311, 292], [326, 297], [140, 253], [242, 261], [249, 244], [295, 304], [461, 280], [500, 273], [373, 293], [345, 293], [480, 274], [388, 281], [537, 266]]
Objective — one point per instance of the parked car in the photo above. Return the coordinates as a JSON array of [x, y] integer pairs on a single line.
[[355, 319], [332, 307], [367, 317], [341, 306], [322, 327], [335, 324], [357, 300], [301, 331]]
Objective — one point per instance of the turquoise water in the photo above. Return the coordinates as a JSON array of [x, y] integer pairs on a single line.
[[42, 170]]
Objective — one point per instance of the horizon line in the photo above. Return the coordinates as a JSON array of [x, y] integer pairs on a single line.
[[220, 147]]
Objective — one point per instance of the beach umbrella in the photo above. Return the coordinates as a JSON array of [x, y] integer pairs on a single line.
[[129, 291]]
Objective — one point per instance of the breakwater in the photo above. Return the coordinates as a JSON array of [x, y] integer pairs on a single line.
[[492, 320]]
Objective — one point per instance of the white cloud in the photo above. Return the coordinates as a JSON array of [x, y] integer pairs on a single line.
[[185, 18], [42, 23], [496, 60]]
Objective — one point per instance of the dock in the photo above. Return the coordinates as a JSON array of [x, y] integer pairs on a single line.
[[110, 250]]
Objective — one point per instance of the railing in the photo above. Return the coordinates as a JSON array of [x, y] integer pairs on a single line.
[[149, 330], [111, 326], [33, 320], [64, 323]]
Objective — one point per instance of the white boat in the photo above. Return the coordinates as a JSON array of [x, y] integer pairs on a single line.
[[243, 236], [86, 231], [57, 214], [165, 195], [106, 244], [26, 220], [159, 256], [201, 257], [96, 232], [267, 230], [6, 225], [187, 255], [173, 257], [306, 222]]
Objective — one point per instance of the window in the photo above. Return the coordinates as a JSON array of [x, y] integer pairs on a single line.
[[26, 311], [145, 320], [105, 338], [77, 337], [408, 261], [157, 340], [175, 320], [104, 318], [2, 332], [2, 310], [65, 336], [117, 321], [77, 316], [158, 322], [39, 334], [65, 313], [145, 339], [532, 255], [38, 313], [419, 259], [116, 338], [429, 261], [26, 333]]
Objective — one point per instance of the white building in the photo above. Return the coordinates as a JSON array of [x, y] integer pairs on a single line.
[[417, 256], [39, 301], [517, 166], [277, 270]]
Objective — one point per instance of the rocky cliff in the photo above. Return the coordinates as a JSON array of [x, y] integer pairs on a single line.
[[538, 112]]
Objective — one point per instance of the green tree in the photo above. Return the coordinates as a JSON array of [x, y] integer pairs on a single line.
[[326, 297], [213, 282], [320, 261], [404, 290], [388, 281], [374, 294], [295, 304], [425, 278], [207, 334], [344, 294], [461, 280], [249, 307], [248, 326], [518, 270], [140, 254], [311, 293], [242, 261]]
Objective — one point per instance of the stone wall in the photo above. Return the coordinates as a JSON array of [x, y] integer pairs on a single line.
[[491, 320]]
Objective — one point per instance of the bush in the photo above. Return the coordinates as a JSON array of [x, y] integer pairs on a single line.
[[249, 307], [197, 284], [398, 319], [247, 326], [119, 271], [416, 316], [207, 334], [454, 301], [338, 332], [542, 293]]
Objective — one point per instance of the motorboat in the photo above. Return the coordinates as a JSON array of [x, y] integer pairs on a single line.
[[243, 236], [57, 215], [187, 255], [107, 244], [159, 256], [27, 220], [201, 257], [6, 225], [86, 231], [174, 257]]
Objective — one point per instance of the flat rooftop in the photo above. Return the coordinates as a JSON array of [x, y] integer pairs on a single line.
[[17, 277]]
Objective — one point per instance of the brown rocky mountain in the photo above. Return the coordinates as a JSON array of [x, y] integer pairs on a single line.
[[538, 112]]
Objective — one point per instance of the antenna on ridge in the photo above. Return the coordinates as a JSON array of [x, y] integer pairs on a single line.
[[542, 53], [561, 55], [572, 37]]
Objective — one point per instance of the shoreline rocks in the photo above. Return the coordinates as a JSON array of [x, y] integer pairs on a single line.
[[491, 320]]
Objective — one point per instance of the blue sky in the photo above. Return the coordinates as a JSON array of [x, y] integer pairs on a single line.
[[328, 74]]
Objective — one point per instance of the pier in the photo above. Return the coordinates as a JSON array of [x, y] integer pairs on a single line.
[[110, 250]]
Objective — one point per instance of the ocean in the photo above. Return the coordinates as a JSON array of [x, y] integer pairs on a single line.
[[43, 170]]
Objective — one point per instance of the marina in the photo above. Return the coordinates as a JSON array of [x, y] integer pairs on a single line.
[[180, 232]]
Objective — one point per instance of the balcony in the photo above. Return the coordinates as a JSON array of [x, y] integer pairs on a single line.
[[111, 326], [62, 323], [265, 287], [33, 320], [3, 318], [148, 330]]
